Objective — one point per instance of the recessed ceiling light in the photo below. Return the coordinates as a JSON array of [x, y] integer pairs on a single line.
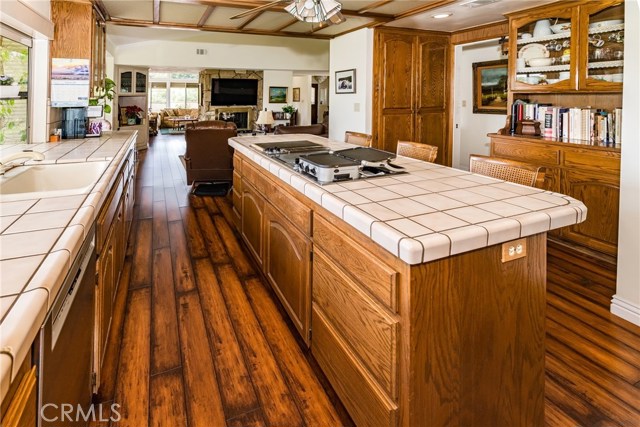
[[442, 15]]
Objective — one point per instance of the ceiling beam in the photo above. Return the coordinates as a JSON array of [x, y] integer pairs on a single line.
[[240, 4], [156, 11], [193, 27], [205, 16], [288, 24], [249, 21], [426, 7], [374, 6]]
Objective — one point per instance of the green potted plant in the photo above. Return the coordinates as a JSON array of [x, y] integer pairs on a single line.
[[132, 113], [288, 110], [103, 94], [7, 87]]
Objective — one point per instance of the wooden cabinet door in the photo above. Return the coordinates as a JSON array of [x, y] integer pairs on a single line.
[[600, 193], [104, 299], [252, 220], [287, 263], [432, 103], [395, 91]]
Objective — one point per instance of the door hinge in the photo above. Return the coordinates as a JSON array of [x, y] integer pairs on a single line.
[[310, 255], [94, 379]]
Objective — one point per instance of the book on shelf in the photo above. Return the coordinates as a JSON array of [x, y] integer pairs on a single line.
[[571, 123]]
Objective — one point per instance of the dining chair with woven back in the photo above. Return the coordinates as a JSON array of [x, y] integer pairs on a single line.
[[358, 138], [416, 150], [508, 170]]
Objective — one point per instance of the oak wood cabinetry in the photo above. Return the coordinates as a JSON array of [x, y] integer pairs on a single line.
[[587, 66], [411, 96], [589, 174], [19, 408], [112, 231], [279, 242], [401, 344]]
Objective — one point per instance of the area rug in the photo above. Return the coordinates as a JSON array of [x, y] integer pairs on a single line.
[[213, 189], [169, 131]]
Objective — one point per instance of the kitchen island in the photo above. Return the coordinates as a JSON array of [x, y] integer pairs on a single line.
[[421, 295]]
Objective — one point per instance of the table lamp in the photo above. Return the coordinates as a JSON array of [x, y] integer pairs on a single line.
[[265, 120]]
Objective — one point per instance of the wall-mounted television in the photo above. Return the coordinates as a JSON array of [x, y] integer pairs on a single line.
[[234, 92]]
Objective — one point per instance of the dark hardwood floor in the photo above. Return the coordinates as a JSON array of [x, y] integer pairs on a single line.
[[202, 342]]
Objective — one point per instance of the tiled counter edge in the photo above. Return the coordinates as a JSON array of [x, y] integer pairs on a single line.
[[433, 245], [27, 309]]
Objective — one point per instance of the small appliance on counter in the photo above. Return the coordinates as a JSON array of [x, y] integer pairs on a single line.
[[74, 122]]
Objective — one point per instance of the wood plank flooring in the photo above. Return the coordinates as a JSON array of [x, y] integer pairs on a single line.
[[201, 340]]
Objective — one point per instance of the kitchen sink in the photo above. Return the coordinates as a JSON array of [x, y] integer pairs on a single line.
[[51, 180]]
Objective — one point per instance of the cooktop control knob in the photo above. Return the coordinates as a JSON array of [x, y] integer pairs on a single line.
[[312, 171]]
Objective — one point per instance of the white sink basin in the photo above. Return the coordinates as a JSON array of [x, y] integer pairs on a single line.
[[52, 180]]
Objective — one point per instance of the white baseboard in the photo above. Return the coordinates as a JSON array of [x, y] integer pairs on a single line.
[[626, 310]]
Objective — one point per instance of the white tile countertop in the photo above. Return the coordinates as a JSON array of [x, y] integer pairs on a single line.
[[40, 238], [432, 211]]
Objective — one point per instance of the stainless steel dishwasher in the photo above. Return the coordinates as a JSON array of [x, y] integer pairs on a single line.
[[66, 345]]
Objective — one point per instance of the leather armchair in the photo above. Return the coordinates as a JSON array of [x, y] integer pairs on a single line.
[[209, 157], [317, 129]]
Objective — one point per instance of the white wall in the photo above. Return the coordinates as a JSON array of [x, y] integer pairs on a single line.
[[470, 129], [626, 301], [230, 51], [351, 111], [304, 106], [276, 78]]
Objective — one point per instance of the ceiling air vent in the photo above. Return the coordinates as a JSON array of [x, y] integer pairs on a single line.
[[477, 3], [201, 51]]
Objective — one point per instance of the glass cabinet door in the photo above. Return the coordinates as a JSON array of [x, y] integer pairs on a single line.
[[602, 52], [543, 49], [141, 82], [126, 83]]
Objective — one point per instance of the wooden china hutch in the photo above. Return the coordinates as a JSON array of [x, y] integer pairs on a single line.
[[584, 41]]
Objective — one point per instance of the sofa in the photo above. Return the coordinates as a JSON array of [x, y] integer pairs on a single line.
[[208, 156], [317, 129], [163, 115]]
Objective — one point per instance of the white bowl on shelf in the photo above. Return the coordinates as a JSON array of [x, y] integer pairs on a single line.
[[603, 24], [561, 28], [540, 62]]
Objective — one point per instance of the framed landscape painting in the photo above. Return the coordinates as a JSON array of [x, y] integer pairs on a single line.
[[277, 95], [490, 87], [346, 81]]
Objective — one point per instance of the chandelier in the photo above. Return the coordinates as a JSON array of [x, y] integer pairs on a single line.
[[316, 11]]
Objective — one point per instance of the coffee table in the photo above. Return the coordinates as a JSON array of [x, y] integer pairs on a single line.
[[180, 122]]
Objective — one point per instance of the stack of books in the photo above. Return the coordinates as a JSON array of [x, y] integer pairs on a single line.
[[574, 124]]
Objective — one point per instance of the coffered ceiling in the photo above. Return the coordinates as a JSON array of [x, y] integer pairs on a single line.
[[215, 15]]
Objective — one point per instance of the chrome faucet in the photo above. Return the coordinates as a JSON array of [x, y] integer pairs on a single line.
[[8, 163]]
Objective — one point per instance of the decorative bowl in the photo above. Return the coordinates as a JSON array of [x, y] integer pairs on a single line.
[[561, 28], [540, 62]]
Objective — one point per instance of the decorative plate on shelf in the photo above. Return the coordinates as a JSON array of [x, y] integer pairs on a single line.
[[602, 24], [533, 50]]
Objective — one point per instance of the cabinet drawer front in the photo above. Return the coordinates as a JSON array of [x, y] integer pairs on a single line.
[[377, 278], [370, 331], [106, 215], [367, 406], [256, 178], [527, 153], [598, 161], [237, 164], [295, 211]]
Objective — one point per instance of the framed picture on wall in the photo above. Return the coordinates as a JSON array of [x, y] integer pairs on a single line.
[[346, 81], [296, 94], [277, 95], [490, 87]]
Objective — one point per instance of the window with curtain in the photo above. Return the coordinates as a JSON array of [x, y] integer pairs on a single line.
[[173, 90], [14, 80], [158, 96]]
